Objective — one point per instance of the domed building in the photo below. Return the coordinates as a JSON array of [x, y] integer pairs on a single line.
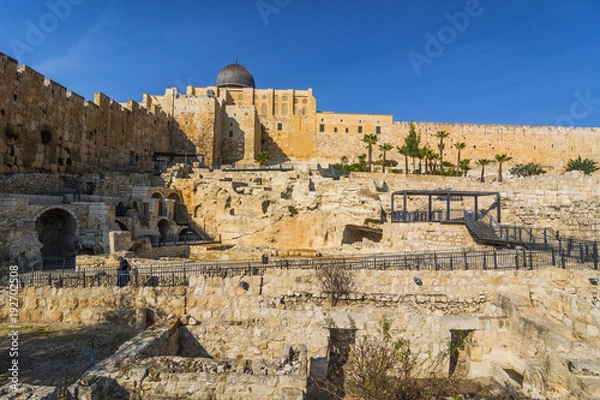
[[235, 76], [232, 121]]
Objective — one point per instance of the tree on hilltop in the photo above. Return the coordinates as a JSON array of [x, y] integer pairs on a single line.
[[459, 146], [441, 135], [465, 165], [404, 152], [501, 159], [384, 149], [370, 140], [483, 162], [413, 142]]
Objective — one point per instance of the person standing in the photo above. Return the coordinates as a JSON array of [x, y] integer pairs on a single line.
[[123, 276]]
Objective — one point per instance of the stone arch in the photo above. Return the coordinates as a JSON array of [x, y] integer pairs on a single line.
[[58, 231], [197, 210], [174, 196], [187, 234]]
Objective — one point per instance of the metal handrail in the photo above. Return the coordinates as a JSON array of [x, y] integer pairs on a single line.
[[175, 274]]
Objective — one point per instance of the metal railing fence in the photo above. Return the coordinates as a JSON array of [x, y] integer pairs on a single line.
[[177, 274]]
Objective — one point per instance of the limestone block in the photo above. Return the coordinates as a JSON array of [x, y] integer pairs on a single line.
[[119, 241]]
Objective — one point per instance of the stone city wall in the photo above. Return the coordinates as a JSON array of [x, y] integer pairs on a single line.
[[549, 146], [44, 127]]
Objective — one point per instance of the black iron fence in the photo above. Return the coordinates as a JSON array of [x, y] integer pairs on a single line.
[[488, 231], [177, 274], [438, 215]]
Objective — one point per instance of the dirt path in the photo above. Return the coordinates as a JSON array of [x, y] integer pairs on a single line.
[[47, 352]]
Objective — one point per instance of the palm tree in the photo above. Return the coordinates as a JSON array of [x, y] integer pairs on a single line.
[[262, 158], [459, 146], [464, 165], [385, 148], [434, 157], [361, 161], [370, 140], [441, 135], [427, 154], [500, 159], [482, 162], [405, 152]]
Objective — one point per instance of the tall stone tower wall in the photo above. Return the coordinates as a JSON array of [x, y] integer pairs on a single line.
[[44, 127]]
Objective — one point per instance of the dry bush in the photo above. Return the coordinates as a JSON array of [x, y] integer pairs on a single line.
[[336, 281]]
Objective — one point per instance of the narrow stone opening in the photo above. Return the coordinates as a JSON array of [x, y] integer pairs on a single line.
[[458, 361]]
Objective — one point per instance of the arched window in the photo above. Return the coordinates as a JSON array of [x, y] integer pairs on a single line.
[[284, 109], [275, 109], [263, 109]]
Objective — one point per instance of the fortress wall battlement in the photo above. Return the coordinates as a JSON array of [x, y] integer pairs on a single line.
[[550, 146], [45, 127]]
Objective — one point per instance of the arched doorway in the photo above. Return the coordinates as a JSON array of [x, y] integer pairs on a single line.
[[163, 229], [175, 197], [121, 210], [181, 214], [57, 231]]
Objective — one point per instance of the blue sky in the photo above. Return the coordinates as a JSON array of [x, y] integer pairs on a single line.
[[489, 61]]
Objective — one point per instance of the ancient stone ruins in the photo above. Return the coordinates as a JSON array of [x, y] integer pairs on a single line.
[[233, 254]]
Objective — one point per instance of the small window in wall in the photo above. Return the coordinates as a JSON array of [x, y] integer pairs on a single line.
[[279, 126], [360, 129], [346, 130], [377, 129], [230, 134], [335, 129], [322, 128]]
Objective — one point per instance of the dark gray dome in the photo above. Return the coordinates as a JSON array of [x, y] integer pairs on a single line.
[[235, 75]]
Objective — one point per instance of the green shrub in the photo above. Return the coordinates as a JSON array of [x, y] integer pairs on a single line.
[[525, 170], [586, 166]]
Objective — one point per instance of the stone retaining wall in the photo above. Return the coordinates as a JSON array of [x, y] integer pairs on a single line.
[[253, 316]]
